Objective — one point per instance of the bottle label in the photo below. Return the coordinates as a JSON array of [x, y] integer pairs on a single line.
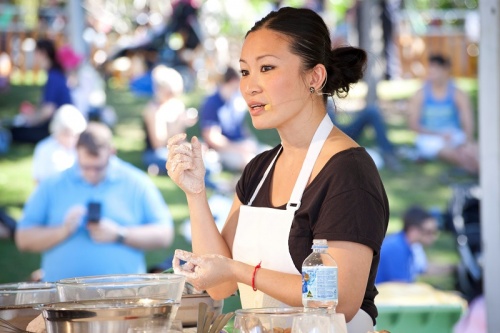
[[319, 283]]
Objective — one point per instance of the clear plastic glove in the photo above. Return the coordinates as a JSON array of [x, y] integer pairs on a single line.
[[73, 219], [202, 271], [185, 164], [105, 231]]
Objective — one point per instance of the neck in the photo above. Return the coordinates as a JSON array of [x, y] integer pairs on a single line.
[[439, 84], [297, 134]]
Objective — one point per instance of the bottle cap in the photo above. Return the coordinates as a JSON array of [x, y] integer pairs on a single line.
[[319, 243]]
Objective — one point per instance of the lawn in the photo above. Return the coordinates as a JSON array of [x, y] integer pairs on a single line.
[[423, 184]]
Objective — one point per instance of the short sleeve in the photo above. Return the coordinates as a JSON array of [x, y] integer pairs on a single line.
[[35, 210], [356, 216]]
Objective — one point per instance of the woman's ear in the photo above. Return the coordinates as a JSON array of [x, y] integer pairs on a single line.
[[318, 77]]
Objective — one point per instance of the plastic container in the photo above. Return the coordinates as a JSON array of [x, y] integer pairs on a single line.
[[270, 319], [17, 301], [122, 286]]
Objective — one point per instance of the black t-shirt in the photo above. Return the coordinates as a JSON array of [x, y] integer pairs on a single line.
[[346, 201]]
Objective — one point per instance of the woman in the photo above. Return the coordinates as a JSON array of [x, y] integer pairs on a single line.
[[318, 183], [32, 125]]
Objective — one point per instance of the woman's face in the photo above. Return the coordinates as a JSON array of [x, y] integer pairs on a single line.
[[271, 82]]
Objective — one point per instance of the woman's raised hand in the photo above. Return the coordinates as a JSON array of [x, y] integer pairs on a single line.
[[185, 163]]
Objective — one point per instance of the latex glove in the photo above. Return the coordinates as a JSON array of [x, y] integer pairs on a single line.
[[73, 219], [105, 231], [185, 164], [202, 271]]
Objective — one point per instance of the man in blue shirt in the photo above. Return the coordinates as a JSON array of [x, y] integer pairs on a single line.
[[401, 256], [133, 215]]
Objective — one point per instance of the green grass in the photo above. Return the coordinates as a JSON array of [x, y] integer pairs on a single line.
[[417, 184]]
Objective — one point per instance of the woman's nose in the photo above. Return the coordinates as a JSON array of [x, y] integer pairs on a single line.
[[251, 87]]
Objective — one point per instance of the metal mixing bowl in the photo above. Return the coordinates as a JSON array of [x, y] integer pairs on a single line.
[[109, 315]]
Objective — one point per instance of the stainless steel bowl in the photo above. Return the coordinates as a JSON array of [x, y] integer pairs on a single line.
[[109, 316], [188, 310]]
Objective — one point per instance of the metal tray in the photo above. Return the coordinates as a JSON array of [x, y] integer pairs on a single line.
[[188, 311]]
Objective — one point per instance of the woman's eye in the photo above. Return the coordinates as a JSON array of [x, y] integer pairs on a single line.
[[266, 68], [244, 72]]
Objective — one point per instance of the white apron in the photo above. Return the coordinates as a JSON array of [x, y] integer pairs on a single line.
[[262, 233]]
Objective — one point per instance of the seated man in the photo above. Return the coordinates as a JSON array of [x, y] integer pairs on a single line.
[[402, 258], [222, 120], [442, 117], [97, 217]]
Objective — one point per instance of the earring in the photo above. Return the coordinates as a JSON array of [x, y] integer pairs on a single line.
[[312, 90]]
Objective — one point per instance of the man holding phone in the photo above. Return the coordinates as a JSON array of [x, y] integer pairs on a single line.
[[97, 217]]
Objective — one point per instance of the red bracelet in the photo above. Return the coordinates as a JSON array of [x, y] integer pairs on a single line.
[[253, 276]]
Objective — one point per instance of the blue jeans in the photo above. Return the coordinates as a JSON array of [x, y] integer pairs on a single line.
[[369, 116]]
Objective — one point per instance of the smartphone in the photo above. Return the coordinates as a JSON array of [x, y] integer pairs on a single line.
[[93, 212]]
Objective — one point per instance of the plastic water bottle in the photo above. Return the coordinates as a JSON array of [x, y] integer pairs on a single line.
[[319, 278]]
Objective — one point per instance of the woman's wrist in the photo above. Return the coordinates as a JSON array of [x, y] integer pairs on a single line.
[[241, 272], [193, 196]]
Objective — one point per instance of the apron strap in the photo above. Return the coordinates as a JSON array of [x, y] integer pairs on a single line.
[[315, 147], [264, 177], [319, 138]]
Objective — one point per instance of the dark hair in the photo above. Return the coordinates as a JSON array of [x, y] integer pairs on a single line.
[[230, 74], [310, 39], [415, 217], [48, 47], [96, 138], [440, 60]]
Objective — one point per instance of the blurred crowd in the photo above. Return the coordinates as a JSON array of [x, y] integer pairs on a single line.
[[168, 50]]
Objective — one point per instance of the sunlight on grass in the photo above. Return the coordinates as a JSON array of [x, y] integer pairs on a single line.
[[29, 78], [15, 195]]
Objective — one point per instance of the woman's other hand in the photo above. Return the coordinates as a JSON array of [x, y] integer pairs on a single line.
[[202, 271], [185, 164]]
